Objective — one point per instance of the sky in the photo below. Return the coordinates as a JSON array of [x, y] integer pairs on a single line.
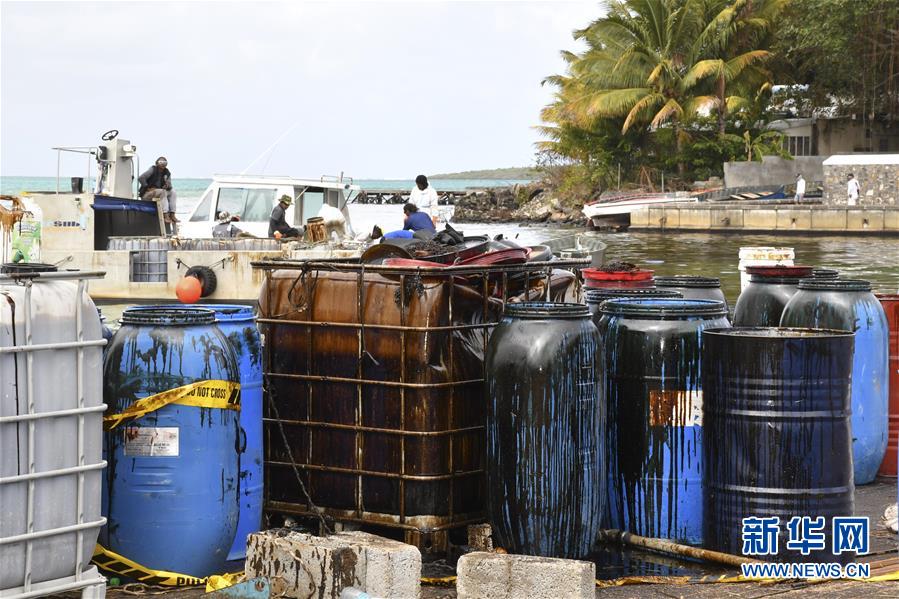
[[374, 89]]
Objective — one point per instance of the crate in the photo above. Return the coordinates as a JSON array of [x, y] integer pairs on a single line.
[[375, 378]]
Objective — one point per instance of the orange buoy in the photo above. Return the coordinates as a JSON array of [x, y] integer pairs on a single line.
[[188, 290]]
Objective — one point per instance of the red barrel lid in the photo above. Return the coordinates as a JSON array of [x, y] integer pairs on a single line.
[[623, 275], [411, 262], [780, 271]]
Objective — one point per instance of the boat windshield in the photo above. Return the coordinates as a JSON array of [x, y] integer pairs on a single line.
[[251, 204]]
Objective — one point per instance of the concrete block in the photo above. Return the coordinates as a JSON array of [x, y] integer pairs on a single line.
[[503, 576], [640, 218], [829, 220], [304, 566], [865, 219], [480, 537], [794, 219], [891, 220], [764, 219], [694, 218], [731, 218]]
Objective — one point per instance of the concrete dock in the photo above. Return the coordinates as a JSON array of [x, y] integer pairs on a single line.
[[720, 217]]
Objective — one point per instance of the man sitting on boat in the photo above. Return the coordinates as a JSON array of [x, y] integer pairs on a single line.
[[277, 224], [156, 185], [224, 229]]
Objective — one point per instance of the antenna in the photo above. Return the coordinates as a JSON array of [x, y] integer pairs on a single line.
[[270, 148]]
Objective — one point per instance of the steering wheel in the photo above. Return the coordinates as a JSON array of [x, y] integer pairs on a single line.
[[110, 135]]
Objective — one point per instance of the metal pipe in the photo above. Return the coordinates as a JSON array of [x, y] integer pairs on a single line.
[[33, 476], [384, 327], [372, 429], [670, 547], [29, 393], [52, 590], [341, 379], [51, 532], [54, 414], [79, 395], [390, 475], [16, 349]]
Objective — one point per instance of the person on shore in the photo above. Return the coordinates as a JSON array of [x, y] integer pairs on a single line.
[[424, 196], [417, 224], [800, 188], [852, 189], [277, 224], [224, 229], [156, 186]]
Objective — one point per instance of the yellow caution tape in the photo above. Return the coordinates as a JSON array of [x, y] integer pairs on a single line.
[[217, 394], [215, 582], [443, 581], [113, 562]]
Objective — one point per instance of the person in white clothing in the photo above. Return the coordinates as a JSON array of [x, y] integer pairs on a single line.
[[424, 196], [853, 189], [800, 188]]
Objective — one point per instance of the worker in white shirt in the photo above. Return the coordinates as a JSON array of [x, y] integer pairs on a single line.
[[800, 188], [424, 197], [852, 189]]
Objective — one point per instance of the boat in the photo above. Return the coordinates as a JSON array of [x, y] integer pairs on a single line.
[[109, 229], [613, 210]]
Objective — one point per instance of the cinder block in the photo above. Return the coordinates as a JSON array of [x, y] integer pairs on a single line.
[[502, 576], [304, 566]]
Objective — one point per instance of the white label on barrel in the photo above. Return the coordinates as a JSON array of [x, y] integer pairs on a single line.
[[675, 408], [151, 441]]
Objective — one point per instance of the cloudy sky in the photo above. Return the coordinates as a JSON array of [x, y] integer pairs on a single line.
[[376, 89]]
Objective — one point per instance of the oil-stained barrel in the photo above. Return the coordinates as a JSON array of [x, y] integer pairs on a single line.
[[778, 440], [545, 430], [693, 287], [762, 303], [890, 305], [595, 297], [849, 305], [654, 399], [170, 490], [825, 273]]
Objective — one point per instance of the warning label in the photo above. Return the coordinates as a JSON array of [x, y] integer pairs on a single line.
[[151, 441]]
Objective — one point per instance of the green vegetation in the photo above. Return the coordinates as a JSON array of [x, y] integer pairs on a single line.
[[677, 87], [493, 173]]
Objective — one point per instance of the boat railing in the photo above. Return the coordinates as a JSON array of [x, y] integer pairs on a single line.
[[88, 150]]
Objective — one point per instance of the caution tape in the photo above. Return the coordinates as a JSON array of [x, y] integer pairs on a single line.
[[114, 563], [216, 394]]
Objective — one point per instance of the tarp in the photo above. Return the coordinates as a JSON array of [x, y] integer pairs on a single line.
[[104, 203]]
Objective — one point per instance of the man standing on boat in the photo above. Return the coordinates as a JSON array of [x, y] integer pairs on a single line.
[[424, 196], [156, 185], [277, 224], [800, 188]]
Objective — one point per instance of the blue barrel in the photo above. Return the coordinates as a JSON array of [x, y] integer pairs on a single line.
[[238, 324], [170, 490], [594, 297], [545, 430], [777, 436], [654, 399], [849, 305]]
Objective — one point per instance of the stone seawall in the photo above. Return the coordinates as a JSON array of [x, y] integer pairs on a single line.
[[528, 204], [787, 218]]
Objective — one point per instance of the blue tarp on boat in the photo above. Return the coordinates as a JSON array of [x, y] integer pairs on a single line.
[[104, 203]]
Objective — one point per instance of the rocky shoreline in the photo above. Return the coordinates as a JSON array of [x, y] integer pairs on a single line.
[[519, 203]]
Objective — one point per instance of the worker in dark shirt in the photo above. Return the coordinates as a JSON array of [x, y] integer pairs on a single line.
[[156, 185], [417, 220], [278, 223]]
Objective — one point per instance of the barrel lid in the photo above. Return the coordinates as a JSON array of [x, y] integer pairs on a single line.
[[777, 332], [661, 307], [796, 272], [835, 284], [596, 295], [688, 281], [546, 310], [168, 315], [596, 274], [231, 312], [22, 268], [825, 273]]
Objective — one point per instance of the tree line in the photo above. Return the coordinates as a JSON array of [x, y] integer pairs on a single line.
[[681, 86]]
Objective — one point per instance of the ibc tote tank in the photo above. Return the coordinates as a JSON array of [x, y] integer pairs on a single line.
[[170, 492], [51, 407]]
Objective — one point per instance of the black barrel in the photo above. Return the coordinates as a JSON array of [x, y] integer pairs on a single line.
[[595, 297], [762, 303], [654, 395], [693, 287], [778, 440], [825, 273], [545, 430]]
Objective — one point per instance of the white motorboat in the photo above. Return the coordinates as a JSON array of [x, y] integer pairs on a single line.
[[110, 230], [615, 210]]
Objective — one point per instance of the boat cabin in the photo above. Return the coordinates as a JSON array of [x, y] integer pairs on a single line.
[[253, 197]]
